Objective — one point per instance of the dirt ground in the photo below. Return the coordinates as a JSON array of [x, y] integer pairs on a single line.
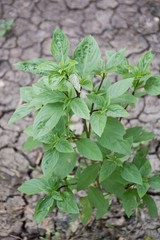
[[133, 24]]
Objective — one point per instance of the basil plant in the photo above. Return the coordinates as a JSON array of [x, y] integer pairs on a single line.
[[105, 158]]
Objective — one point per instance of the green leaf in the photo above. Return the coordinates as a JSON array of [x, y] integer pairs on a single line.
[[115, 184], [116, 110], [64, 146], [57, 196], [97, 200], [48, 97], [129, 202], [140, 94], [86, 210], [113, 130], [89, 149], [117, 177], [20, 112], [51, 138], [44, 206], [125, 99], [80, 108], [150, 204], [145, 61], [40, 86], [27, 93], [49, 161], [152, 85], [74, 79], [60, 45], [106, 84], [46, 119], [68, 204], [139, 134], [52, 183], [131, 173], [88, 176], [119, 88], [65, 164], [119, 146], [88, 56], [98, 122], [86, 83], [32, 66], [56, 82], [115, 59], [48, 66], [108, 167], [30, 144], [33, 186], [154, 181], [122, 146], [145, 169], [29, 130], [140, 158], [98, 99], [112, 137], [142, 189]]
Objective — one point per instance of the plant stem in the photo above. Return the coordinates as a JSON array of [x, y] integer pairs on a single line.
[[98, 184], [100, 85], [63, 186], [133, 93], [92, 107], [78, 93], [85, 129]]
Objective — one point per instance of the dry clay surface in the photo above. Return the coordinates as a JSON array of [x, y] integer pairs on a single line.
[[133, 24]]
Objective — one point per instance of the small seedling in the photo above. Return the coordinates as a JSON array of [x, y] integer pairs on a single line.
[[5, 26], [106, 159]]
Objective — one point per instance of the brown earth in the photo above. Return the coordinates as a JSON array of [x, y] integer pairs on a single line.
[[133, 24]]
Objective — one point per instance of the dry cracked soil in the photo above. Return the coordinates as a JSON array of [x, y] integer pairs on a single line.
[[133, 24]]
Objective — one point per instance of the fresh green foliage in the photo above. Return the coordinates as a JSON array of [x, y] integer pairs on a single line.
[[154, 181], [119, 88], [129, 201], [150, 204], [49, 161], [68, 203], [44, 206], [80, 108], [98, 122], [60, 46], [89, 149], [108, 167], [5, 26], [106, 158], [131, 173], [152, 85], [88, 176], [88, 56], [98, 201], [86, 210]]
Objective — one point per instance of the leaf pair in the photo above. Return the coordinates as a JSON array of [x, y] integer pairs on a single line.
[[65, 202]]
